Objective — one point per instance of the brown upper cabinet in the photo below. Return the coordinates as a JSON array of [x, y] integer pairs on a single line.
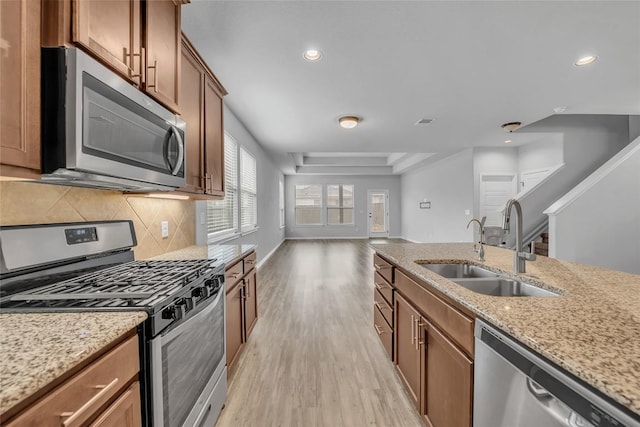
[[201, 106], [20, 83], [139, 39]]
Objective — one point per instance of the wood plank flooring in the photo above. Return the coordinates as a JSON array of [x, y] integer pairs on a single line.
[[314, 358]]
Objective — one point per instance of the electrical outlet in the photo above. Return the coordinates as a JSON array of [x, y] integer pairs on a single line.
[[165, 228]]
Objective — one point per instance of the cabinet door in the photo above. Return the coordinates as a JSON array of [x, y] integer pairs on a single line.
[[448, 399], [213, 139], [191, 104], [124, 412], [251, 302], [234, 322], [407, 347], [20, 83], [162, 44], [110, 29]]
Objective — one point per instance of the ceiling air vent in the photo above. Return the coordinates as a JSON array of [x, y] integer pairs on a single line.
[[423, 122]]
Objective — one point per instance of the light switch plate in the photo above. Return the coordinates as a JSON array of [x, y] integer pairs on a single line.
[[165, 228]]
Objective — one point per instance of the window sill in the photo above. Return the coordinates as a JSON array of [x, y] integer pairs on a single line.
[[246, 232], [223, 238]]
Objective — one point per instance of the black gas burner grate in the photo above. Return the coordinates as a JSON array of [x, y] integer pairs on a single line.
[[133, 284]]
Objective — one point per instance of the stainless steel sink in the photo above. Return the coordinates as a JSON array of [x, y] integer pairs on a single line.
[[503, 287], [482, 281], [453, 271]]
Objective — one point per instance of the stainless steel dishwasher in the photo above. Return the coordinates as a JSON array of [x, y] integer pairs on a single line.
[[514, 387]]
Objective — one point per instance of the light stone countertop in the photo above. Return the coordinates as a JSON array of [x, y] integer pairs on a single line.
[[224, 253], [592, 330], [38, 348]]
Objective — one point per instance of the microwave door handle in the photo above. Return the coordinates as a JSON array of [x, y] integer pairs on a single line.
[[173, 168]]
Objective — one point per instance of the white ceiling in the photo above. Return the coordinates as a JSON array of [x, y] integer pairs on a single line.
[[470, 66]]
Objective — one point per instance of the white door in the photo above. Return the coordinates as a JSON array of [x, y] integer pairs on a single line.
[[529, 179], [378, 207], [495, 190]]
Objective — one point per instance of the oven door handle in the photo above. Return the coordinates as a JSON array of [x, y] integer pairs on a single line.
[[210, 305]]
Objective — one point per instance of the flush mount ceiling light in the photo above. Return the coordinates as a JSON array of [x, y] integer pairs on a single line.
[[508, 141], [511, 126], [586, 60], [312, 54], [349, 122]]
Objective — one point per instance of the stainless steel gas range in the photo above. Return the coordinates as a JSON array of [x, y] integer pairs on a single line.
[[90, 267]]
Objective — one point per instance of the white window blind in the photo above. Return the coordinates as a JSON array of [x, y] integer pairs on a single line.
[[309, 204], [248, 191], [222, 215], [339, 204], [281, 202]]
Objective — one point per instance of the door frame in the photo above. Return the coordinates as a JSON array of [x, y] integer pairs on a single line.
[[386, 216], [514, 186]]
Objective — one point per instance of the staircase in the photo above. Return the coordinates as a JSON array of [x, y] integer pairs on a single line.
[[541, 248]]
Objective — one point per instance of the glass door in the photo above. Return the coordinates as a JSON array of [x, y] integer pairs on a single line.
[[378, 204]]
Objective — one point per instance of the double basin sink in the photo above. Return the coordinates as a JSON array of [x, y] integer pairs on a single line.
[[483, 281]]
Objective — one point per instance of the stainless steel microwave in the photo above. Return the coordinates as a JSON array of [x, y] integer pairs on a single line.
[[100, 131]]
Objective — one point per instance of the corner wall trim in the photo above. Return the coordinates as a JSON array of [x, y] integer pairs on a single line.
[[267, 256]]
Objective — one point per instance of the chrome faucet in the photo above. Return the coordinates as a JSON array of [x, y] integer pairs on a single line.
[[519, 256], [479, 249]]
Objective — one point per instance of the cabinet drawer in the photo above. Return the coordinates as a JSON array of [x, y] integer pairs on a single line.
[[383, 267], [385, 308], [249, 262], [383, 287], [384, 331], [78, 399], [233, 274], [456, 325]]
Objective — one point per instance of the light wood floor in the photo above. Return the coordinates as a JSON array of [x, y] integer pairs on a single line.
[[314, 358]]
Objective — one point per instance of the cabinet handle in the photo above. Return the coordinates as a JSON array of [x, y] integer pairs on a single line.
[[235, 276], [378, 330], [209, 185], [419, 324], [129, 63], [413, 332], [155, 75], [247, 285], [381, 286], [381, 267], [250, 261], [380, 306], [73, 416]]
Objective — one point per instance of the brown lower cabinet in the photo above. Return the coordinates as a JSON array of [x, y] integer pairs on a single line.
[[432, 348], [105, 393], [241, 306]]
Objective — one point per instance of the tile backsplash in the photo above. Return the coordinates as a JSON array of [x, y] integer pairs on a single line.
[[36, 203]]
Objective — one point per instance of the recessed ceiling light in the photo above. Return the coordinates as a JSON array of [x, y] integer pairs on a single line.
[[560, 109], [349, 122], [586, 60], [508, 141], [312, 54], [423, 122]]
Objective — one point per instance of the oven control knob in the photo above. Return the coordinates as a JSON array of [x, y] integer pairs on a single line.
[[181, 308], [169, 313], [202, 292]]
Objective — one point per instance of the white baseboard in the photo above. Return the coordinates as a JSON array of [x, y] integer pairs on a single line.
[[267, 256], [409, 240], [327, 238]]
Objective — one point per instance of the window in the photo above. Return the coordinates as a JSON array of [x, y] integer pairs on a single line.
[[339, 204], [248, 192], [308, 204], [238, 211], [222, 215], [281, 202]]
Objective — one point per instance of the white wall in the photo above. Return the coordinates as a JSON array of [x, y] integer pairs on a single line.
[[448, 185], [540, 154], [269, 234], [361, 185], [601, 225]]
